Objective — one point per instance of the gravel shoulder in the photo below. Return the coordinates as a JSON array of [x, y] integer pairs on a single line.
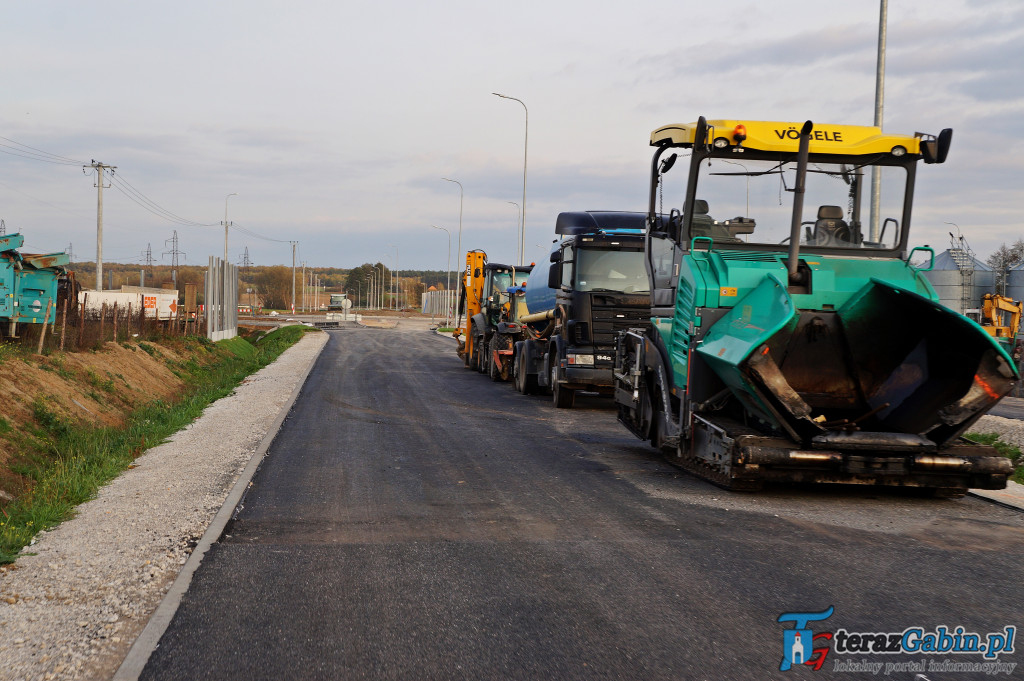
[[72, 608]]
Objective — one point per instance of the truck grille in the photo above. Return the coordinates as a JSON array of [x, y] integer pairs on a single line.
[[608, 322]]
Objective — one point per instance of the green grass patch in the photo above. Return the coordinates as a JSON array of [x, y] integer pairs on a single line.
[[73, 462], [106, 385], [238, 346], [1011, 452], [56, 365], [9, 351], [149, 349]]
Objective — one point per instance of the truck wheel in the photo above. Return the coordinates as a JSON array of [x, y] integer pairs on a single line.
[[493, 370], [484, 360], [526, 383], [481, 354], [562, 397], [474, 346], [470, 350]]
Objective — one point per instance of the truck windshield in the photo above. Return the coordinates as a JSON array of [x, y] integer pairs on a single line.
[[604, 270], [752, 202]]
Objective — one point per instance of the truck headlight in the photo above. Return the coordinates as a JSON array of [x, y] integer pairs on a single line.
[[577, 360]]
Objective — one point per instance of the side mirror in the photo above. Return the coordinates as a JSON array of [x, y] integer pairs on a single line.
[[555, 277], [556, 256], [667, 163], [936, 150]]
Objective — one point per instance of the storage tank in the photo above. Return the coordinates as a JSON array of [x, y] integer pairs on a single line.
[[539, 298], [1015, 282], [948, 280]]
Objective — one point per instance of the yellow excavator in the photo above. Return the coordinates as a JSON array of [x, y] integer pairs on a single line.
[[1000, 316]]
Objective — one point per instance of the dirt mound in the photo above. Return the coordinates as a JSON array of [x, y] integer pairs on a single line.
[[98, 387]]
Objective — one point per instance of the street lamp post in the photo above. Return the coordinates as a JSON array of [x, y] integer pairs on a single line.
[[380, 287], [526, 139], [226, 224], [876, 171], [458, 248], [393, 280], [448, 277], [518, 218]]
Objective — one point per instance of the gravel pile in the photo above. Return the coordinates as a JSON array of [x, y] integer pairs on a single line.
[[72, 610]]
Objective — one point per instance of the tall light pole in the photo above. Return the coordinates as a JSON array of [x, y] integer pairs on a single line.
[[294, 244], [380, 287], [876, 171], [526, 139], [458, 248], [393, 280], [226, 224], [518, 218], [448, 276]]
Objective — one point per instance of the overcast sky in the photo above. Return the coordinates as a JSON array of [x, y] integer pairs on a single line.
[[335, 121]]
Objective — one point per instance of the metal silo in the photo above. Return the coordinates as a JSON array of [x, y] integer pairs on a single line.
[[960, 280], [1015, 282]]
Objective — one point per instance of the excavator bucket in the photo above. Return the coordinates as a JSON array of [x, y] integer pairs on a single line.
[[889, 369]]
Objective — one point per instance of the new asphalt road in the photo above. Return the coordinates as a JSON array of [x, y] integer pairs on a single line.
[[414, 520]]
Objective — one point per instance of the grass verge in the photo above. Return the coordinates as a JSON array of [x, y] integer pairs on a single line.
[[84, 459], [1009, 451]]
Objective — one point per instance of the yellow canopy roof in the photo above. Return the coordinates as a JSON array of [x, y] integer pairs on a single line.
[[854, 140]]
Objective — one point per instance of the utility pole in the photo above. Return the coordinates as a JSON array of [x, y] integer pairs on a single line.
[[174, 253], [246, 264], [246, 261], [99, 168], [294, 244], [147, 256]]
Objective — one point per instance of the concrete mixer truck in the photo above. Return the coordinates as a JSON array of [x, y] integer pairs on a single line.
[[793, 344]]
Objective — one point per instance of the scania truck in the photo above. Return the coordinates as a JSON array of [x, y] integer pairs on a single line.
[[593, 286]]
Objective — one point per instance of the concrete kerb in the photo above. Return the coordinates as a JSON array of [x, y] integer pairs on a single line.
[[1011, 497], [143, 647]]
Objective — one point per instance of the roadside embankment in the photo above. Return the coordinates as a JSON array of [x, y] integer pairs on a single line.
[[73, 603]]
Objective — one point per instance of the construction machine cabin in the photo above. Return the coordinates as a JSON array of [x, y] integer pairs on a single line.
[[792, 338]]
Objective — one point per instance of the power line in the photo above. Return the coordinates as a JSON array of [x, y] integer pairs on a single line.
[[25, 151], [253, 234], [125, 187], [36, 198]]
